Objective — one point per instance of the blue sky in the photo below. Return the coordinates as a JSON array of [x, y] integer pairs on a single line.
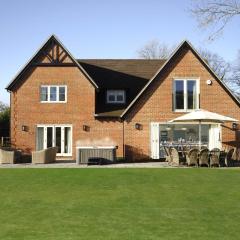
[[99, 29]]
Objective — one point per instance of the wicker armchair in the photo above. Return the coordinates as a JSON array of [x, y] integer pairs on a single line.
[[174, 156], [44, 156], [214, 157], [229, 161], [168, 154], [7, 156], [192, 157], [204, 157]]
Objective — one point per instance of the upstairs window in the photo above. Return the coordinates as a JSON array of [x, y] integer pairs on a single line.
[[116, 96], [53, 94], [185, 95]]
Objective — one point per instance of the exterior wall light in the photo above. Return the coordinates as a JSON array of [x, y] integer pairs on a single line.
[[86, 128], [209, 82], [234, 126], [138, 126], [24, 128]]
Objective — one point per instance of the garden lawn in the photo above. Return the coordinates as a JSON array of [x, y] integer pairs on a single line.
[[139, 204]]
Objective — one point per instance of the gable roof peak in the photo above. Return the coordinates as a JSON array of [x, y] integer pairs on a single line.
[[52, 37], [172, 55]]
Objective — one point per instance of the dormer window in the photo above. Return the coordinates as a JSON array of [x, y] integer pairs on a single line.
[[116, 96]]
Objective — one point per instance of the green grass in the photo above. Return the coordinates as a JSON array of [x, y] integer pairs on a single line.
[[121, 204]]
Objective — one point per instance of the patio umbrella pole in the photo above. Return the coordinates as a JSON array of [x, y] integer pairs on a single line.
[[200, 133]]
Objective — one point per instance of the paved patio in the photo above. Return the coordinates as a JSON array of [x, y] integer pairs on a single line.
[[74, 165]]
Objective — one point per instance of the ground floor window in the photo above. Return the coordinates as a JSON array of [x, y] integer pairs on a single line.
[[184, 133], [55, 136]]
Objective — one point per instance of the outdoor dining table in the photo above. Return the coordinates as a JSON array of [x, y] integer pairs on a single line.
[[181, 148]]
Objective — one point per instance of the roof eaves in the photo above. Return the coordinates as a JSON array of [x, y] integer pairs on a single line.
[[22, 70], [154, 76], [26, 64], [77, 63], [214, 73], [162, 67]]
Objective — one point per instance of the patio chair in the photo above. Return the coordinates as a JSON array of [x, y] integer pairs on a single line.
[[235, 154], [44, 156], [229, 161], [168, 154], [204, 157], [8, 155], [175, 159], [214, 157], [192, 157]]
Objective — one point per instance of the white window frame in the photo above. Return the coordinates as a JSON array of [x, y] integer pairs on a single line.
[[185, 94], [54, 126], [211, 125], [48, 90], [115, 93]]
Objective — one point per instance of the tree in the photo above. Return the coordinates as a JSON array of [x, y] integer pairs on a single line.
[[4, 120], [3, 106], [154, 49], [215, 14], [217, 63], [235, 76]]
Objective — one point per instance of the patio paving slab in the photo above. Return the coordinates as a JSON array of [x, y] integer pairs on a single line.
[[118, 165], [74, 165]]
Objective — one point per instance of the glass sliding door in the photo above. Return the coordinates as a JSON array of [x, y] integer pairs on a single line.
[[49, 137], [184, 133], [59, 136], [67, 139], [58, 139], [40, 138]]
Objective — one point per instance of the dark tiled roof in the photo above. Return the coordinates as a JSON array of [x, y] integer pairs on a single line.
[[130, 74]]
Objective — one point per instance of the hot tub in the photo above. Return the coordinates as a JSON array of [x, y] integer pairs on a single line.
[[106, 153]]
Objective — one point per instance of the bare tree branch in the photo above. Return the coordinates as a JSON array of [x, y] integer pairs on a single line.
[[154, 50], [235, 76], [226, 72], [217, 63], [215, 14]]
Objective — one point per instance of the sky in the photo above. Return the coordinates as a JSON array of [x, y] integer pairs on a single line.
[[100, 29]]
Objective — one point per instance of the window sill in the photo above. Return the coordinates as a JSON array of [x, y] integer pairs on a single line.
[[185, 111], [64, 155], [115, 103], [53, 102]]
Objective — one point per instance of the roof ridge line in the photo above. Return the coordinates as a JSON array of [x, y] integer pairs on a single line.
[[168, 60], [124, 59]]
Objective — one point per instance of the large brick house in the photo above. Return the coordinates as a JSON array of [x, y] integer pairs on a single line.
[[58, 100]]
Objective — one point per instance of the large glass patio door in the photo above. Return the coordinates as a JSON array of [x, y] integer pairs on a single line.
[[55, 135]]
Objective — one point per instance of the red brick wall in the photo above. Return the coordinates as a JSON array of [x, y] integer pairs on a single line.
[[155, 105], [78, 111]]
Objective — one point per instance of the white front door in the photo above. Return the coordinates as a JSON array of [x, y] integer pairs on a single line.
[[215, 136], [55, 135], [155, 140]]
